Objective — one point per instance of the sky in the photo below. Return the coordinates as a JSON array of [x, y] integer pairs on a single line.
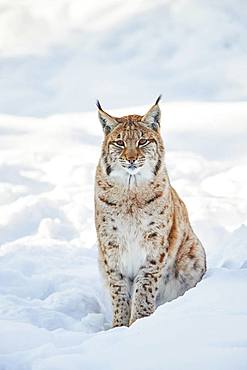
[[60, 56]]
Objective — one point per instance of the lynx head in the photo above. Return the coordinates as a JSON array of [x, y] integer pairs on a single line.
[[132, 144]]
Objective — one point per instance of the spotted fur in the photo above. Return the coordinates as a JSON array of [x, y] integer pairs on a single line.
[[148, 252]]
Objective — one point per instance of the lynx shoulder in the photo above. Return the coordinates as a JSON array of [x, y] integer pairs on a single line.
[[148, 252]]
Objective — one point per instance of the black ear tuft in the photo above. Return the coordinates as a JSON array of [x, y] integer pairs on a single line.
[[98, 105], [157, 101]]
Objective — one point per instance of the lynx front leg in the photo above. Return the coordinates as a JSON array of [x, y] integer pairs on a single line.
[[145, 288], [118, 286], [120, 299]]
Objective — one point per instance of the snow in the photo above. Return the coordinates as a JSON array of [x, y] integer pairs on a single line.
[[54, 311], [60, 55]]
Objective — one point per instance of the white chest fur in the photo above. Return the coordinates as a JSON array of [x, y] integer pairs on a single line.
[[132, 254]]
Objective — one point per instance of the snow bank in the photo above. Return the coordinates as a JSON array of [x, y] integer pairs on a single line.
[[53, 310]]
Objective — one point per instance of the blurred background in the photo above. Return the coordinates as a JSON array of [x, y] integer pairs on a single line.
[[58, 56]]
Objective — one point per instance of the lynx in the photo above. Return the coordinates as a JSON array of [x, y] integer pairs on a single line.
[[148, 252]]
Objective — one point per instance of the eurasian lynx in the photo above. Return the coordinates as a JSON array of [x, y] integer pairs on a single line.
[[148, 252]]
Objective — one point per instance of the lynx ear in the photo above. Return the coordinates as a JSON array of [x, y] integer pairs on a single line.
[[152, 117], [108, 122]]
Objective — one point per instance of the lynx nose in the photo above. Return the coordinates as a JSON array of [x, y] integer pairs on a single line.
[[132, 161]]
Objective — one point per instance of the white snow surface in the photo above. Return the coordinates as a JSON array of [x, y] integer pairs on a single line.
[[54, 313]]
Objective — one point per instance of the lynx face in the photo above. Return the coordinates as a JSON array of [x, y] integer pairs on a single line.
[[132, 145]]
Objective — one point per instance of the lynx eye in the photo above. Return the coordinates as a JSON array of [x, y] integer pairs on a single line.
[[119, 143], [143, 142]]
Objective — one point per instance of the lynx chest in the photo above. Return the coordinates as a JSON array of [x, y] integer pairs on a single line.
[[130, 238], [133, 225]]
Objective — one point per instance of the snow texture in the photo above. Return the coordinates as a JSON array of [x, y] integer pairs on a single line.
[[54, 313]]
